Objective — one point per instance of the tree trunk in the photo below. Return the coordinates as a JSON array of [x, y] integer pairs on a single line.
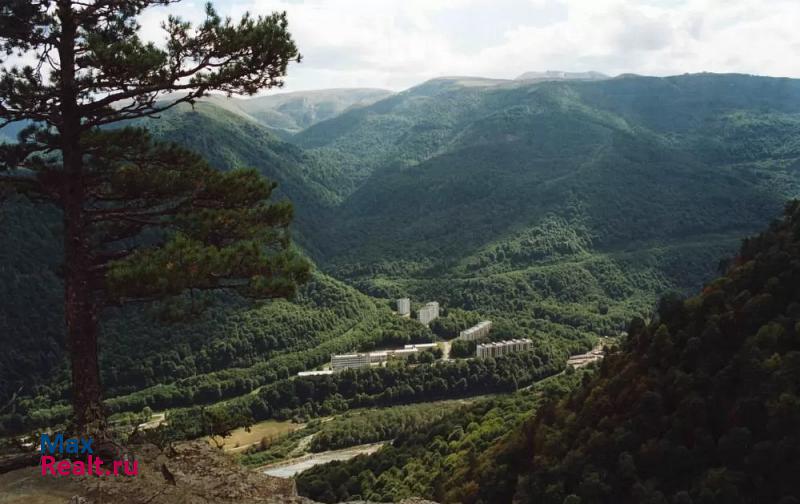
[[81, 319], [80, 309]]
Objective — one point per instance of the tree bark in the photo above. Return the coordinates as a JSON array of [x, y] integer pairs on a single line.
[[79, 304], [81, 322]]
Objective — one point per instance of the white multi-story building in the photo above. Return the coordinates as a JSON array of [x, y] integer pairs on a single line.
[[404, 306], [503, 348], [345, 361], [428, 313], [477, 331]]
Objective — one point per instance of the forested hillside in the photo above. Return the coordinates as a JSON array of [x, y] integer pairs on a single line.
[[182, 351], [702, 405], [456, 166], [191, 350], [568, 200], [228, 139], [432, 461]]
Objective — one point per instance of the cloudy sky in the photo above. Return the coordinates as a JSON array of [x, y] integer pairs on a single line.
[[395, 44]]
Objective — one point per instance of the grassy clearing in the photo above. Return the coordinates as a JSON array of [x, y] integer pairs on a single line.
[[242, 438]]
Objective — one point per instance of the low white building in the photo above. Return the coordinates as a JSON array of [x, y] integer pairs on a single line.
[[346, 361], [422, 346], [476, 332], [404, 306], [586, 358], [403, 353], [500, 348], [315, 373], [428, 313]]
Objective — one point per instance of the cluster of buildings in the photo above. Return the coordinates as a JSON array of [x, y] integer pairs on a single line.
[[358, 360], [477, 331], [425, 315], [503, 348]]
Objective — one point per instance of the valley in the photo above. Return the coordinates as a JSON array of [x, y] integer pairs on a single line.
[[561, 210]]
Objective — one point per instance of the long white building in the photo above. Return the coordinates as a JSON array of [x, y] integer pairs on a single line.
[[503, 348], [404, 306], [428, 313], [478, 331], [421, 346], [315, 373], [359, 360]]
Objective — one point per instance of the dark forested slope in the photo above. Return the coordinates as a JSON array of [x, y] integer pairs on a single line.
[[459, 170], [229, 140], [702, 405]]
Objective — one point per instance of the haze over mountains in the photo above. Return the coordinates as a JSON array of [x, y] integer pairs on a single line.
[[289, 113]]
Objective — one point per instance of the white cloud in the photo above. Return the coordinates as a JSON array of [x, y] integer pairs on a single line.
[[398, 43]]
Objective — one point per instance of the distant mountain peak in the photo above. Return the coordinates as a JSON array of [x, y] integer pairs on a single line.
[[561, 75]]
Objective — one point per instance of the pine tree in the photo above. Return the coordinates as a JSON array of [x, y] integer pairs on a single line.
[[142, 220]]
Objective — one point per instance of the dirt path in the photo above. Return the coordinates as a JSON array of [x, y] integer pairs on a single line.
[[155, 420], [446, 350]]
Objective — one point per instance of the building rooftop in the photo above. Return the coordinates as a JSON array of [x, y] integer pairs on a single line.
[[504, 342], [315, 373]]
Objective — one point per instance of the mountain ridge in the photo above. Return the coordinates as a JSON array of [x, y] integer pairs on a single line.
[[561, 75]]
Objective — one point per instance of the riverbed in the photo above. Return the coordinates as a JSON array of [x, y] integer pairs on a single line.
[[292, 467]]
